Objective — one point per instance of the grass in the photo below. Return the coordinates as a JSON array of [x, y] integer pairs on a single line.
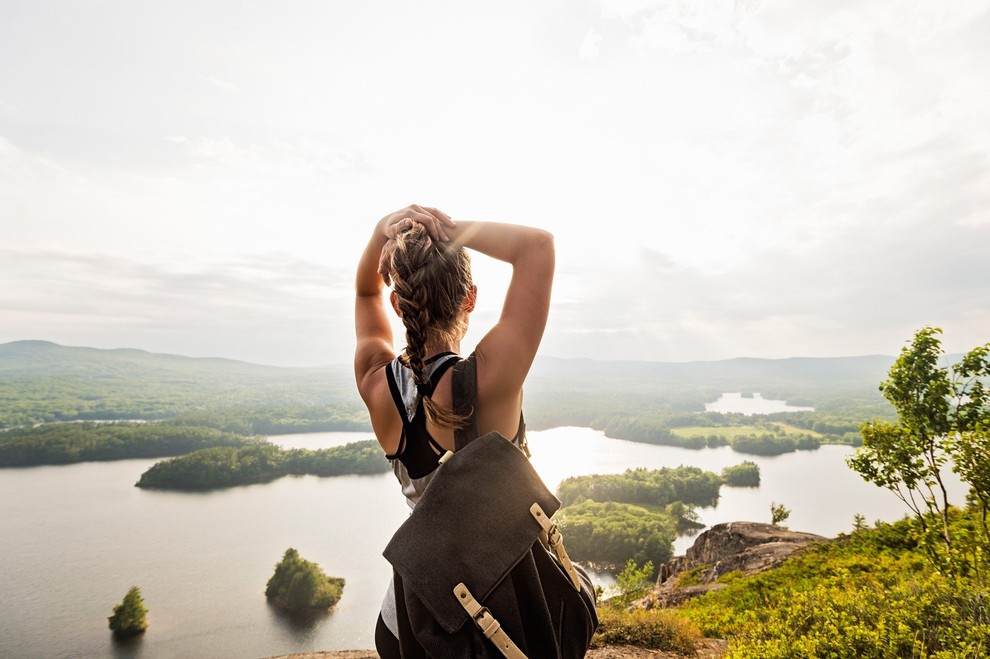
[[655, 629]]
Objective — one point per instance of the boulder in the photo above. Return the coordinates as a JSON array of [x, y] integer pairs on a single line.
[[746, 547]]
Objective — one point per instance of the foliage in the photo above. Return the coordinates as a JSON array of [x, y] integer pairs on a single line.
[[778, 513], [657, 487], [633, 582], [130, 617], [654, 629], [64, 443], [770, 444], [227, 466], [614, 533], [868, 594], [301, 584], [943, 415], [744, 474]]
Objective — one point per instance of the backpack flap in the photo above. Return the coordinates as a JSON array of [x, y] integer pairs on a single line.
[[471, 526]]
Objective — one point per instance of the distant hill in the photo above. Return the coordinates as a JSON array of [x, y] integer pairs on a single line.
[[43, 381]]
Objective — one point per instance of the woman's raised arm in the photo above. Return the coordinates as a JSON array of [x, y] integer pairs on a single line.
[[506, 352]]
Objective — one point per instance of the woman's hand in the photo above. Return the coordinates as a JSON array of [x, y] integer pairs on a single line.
[[433, 220], [395, 223]]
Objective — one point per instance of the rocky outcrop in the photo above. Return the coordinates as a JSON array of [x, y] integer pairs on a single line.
[[746, 547]]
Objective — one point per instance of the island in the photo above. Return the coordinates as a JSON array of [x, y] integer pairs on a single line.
[[300, 585]]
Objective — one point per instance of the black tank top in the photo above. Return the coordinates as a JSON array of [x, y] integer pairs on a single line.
[[418, 451]]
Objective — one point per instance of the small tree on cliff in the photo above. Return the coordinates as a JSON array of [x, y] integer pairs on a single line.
[[943, 417], [778, 513], [130, 617]]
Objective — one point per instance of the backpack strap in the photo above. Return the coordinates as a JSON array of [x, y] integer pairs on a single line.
[[464, 391], [486, 622]]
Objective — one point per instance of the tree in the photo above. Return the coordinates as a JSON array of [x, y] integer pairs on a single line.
[[633, 582], [778, 513], [744, 474], [943, 418], [130, 617], [301, 584]]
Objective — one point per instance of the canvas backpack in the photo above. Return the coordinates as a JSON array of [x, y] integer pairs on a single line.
[[479, 566]]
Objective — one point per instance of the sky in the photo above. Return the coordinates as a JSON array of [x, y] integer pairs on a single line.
[[722, 178]]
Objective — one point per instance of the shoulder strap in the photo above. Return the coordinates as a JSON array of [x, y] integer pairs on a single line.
[[464, 391]]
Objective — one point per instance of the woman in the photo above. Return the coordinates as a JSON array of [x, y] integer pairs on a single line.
[[421, 251]]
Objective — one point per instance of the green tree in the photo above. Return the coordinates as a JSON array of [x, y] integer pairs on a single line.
[[778, 513], [301, 584], [943, 416], [744, 474], [633, 582], [130, 617]]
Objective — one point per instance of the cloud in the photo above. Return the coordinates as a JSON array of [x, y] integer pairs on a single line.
[[222, 84], [865, 289], [269, 308], [589, 46]]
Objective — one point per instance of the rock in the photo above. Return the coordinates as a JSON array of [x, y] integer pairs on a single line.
[[747, 547]]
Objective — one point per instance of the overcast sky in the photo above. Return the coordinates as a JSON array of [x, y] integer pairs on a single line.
[[723, 178]]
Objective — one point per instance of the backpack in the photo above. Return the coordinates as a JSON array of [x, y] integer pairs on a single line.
[[479, 566]]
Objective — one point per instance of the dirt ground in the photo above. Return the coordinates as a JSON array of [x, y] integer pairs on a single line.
[[707, 649]]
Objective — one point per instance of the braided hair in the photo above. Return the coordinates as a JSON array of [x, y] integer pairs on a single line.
[[430, 280]]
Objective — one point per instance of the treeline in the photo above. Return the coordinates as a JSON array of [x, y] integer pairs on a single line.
[[656, 487], [65, 443], [281, 420], [611, 518], [220, 467], [711, 430]]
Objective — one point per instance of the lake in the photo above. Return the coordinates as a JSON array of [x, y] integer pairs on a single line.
[[74, 538], [750, 405]]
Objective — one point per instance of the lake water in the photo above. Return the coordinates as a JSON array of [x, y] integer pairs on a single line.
[[750, 405], [74, 538]]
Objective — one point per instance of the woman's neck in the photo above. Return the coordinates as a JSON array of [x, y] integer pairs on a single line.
[[437, 348]]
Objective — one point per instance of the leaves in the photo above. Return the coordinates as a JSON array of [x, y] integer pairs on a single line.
[[943, 413]]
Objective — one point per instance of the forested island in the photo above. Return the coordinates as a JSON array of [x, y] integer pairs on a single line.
[[64, 443], [215, 468], [299, 585], [609, 519]]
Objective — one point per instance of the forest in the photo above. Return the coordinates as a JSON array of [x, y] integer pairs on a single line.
[[199, 403], [227, 466], [609, 519], [64, 443]]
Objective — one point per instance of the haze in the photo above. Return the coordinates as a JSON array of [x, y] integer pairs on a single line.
[[723, 179]]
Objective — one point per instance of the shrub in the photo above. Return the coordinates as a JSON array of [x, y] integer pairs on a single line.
[[653, 629]]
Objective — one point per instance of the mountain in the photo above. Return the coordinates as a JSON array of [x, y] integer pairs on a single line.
[[43, 381]]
